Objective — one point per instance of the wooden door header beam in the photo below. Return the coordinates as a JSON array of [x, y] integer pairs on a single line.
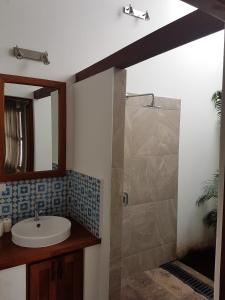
[[215, 8], [180, 32]]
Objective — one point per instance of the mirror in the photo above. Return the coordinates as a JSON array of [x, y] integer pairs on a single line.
[[33, 128]]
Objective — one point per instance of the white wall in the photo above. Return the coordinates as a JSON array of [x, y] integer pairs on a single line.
[[220, 216], [76, 34], [82, 32], [93, 126], [13, 283], [191, 73], [42, 134]]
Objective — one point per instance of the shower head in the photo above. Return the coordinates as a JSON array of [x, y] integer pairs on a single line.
[[152, 104]]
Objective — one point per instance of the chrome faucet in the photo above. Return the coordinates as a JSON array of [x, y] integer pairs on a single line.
[[36, 215], [37, 212]]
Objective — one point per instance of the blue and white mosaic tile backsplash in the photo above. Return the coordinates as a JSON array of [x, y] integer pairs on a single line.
[[18, 199], [83, 200], [75, 195]]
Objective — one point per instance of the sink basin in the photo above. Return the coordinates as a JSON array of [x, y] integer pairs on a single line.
[[49, 230]]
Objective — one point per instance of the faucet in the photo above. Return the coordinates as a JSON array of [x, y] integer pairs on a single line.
[[36, 215], [37, 212]]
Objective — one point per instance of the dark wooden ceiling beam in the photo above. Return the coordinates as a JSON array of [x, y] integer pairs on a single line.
[[43, 92], [215, 8], [180, 32]]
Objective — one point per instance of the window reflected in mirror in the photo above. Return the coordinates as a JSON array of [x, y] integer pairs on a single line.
[[31, 128]]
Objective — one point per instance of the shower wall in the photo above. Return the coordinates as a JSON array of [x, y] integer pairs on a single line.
[[149, 222]]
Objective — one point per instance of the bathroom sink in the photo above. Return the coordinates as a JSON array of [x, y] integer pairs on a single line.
[[47, 231]]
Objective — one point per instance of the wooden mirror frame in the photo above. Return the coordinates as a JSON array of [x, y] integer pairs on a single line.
[[61, 87]]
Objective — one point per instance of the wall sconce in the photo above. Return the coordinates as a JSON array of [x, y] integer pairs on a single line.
[[129, 10], [21, 53]]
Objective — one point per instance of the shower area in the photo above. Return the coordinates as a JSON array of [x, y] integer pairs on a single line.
[[149, 267], [149, 218]]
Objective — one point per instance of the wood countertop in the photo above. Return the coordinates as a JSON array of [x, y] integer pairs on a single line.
[[12, 255]]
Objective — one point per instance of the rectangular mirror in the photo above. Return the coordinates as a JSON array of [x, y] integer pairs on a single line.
[[32, 128]]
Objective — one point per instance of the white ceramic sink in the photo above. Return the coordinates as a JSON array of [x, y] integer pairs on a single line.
[[47, 231]]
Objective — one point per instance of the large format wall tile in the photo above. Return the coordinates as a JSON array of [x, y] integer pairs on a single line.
[[117, 184], [151, 131], [140, 230], [166, 219], [150, 179], [115, 280], [116, 215], [118, 119], [147, 260], [148, 226]]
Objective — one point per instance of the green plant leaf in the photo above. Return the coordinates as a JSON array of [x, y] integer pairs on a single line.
[[210, 190], [217, 100], [210, 219], [211, 187]]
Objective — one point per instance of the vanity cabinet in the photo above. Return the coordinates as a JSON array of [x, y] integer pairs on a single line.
[[58, 278], [48, 273]]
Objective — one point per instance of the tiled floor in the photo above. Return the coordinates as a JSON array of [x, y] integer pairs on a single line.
[[157, 284]]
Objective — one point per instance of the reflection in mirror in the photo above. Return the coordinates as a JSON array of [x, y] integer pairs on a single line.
[[31, 128]]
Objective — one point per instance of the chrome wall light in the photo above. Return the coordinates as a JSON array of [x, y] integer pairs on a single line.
[[21, 53], [129, 10]]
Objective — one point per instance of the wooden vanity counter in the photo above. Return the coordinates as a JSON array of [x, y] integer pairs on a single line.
[[12, 255]]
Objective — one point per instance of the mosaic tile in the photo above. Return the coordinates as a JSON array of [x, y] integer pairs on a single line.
[[75, 195], [21, 195], [6, 209], [24, 207], [84, 204], [24, 190], [41, 187]]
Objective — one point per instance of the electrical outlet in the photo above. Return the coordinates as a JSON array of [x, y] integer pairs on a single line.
[[2, 187]]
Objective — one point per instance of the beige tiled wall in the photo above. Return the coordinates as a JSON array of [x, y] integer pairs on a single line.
[[117, 184], [151, 180]]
